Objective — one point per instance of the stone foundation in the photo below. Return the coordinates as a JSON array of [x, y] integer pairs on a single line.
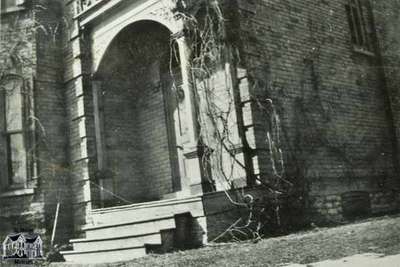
[[329, 208]]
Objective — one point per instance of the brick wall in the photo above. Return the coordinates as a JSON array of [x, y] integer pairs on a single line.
[[331, 100], [80, 120], [136, 141], [120, 139], [277, 214], [48, 181], [16, 27], [135, 109], [387, 20], [50, 111], [154, 140]]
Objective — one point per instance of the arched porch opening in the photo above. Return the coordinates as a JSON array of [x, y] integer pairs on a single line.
[[137, 117]]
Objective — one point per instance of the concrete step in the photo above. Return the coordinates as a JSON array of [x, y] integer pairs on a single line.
[[117, 242], [104, 256], [114, 230], [147, 211], [124, 233]]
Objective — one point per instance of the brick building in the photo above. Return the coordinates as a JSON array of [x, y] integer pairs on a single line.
[[137, 116]]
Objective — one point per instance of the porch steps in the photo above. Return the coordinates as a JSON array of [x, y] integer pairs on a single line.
[[148, 211], [127, 228], [87, 244], [104, 256], [128, 232]]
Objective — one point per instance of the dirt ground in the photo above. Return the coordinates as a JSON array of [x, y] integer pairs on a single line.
[[377, 235], [359, 260]]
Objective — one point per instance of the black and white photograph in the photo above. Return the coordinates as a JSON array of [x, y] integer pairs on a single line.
[[200, 133]]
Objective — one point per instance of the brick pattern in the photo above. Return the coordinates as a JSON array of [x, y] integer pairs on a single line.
[[51, 113], [383, 202], [81, 136], [386, 18], [120, 140], [154, 148], [221, 213], [329, 208], [298, 53], [49, 177], [135, 107], [330, 98], [17, 38]]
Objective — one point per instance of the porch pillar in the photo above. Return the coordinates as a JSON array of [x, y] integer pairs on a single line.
[[105, 182], [190, 143]]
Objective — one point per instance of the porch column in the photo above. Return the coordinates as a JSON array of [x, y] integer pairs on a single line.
[[96, 87], [105, 183], [190, 143]]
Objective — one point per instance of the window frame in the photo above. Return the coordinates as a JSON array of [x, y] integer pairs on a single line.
[[359, 26], [9, 186]]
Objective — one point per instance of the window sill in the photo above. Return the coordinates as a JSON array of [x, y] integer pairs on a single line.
[[363, 51], [17, 192]]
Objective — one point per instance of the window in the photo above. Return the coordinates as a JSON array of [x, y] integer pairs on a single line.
[[359, 30], [11, 5], [14, 166]]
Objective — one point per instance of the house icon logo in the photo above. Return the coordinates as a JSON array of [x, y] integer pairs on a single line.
[[22, 246]]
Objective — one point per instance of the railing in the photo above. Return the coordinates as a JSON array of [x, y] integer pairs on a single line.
[[83, 5]]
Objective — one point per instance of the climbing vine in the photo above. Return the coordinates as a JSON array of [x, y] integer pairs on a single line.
[[213, 58], [18, 64]]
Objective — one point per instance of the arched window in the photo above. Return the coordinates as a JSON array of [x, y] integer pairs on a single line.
[[20, 253], [360, 26]]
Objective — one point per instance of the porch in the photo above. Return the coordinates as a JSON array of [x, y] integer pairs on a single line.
[[133, 231], [127, 232], [138, 124]]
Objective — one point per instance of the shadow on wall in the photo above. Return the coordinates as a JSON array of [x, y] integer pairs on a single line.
[[188, 234]]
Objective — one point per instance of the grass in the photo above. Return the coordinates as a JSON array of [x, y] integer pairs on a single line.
[[378, 235]]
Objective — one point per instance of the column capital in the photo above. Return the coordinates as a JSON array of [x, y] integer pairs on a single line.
[[179, 35]]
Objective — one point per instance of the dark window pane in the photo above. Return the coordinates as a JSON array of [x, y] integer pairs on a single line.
[[358, 26], [17, 159], [351, 24]]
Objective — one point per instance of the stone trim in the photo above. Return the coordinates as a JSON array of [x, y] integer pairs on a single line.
[[18, 192]]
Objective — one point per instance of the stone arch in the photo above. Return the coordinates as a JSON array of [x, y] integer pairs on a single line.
[[137, 116], [150, 25], [103, 35]]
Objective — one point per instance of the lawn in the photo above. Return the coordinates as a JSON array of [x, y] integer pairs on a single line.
[[378, 235]]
